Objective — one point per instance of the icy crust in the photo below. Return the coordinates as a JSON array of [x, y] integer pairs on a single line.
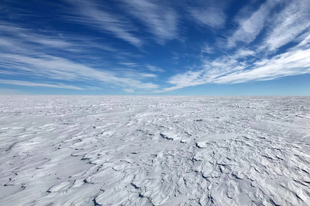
[[159, 151]]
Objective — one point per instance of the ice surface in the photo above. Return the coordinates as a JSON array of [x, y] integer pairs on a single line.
[[83, 150]]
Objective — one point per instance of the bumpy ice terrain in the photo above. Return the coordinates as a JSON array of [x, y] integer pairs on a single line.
[[83, 150]]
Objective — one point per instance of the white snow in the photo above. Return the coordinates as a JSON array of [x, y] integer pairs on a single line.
[[122, 150]]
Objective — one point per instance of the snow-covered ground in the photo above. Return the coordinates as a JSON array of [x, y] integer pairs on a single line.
[[109, 150]]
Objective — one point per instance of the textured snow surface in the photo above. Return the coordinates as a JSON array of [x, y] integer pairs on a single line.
[[70, 150]]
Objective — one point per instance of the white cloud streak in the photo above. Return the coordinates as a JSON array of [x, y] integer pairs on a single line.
[[229, 71], [62, 69], [161, 20], [36, 84], [129, 90], [23, 53], [90, 14], [260, 64], [211, 16], [154, 69], [208, 12], [10, 92], [249, 28], [287, 64], [244, 53], [288, 24]]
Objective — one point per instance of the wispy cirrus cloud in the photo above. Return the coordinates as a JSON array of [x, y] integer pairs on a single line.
[[287, 64], [187, 79], [218, 43], [11, 92], [50, 42], [288, 24], [305, 40], [228, 70], [243, 53], [24, 53], [159, 18], [249, 28], [17, 39], [129, 90], [36, 84], [58, 68], [257, 61], [213, 17], [154, 69], [209, 13], [92, 14]]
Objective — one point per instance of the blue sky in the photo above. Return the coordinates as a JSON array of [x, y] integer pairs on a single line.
[[155, 47]]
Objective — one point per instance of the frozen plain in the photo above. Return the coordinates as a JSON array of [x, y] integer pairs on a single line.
[[122, 150]]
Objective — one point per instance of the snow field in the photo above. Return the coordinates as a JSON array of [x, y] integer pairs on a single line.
[[110, 150]]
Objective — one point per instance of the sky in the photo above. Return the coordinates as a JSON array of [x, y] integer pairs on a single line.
[[155, 47]]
